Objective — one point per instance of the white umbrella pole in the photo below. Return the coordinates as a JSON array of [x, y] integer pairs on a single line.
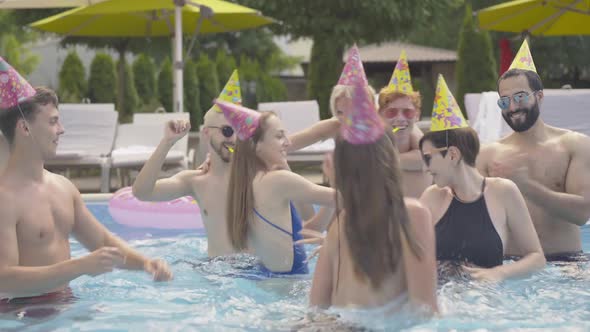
[[178, 65]]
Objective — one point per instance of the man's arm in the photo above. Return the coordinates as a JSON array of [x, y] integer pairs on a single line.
[[146, 187], [574, 205], [321, 220], [412, 160], [93, 235], [318, 132]]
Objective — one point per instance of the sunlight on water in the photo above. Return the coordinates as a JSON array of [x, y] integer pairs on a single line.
[[230, 295]]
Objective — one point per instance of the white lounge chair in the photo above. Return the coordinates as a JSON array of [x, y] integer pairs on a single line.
[[88, 140], [296, 116], [135, 143]]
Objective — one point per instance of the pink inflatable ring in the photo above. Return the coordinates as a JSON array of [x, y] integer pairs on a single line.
[[181, 213]]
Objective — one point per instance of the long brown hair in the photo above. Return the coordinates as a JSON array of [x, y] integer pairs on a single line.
[[369, 179], [240, 198]]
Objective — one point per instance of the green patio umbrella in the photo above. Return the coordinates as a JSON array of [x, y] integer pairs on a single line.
[[125, 18]]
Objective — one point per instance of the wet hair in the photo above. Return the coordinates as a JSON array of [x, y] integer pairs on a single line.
[[533, 78], [464, 139], [369, 180], [240, 196], [30, 108], [387, 95]]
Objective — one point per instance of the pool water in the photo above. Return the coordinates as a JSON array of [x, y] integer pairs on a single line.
[[220, 295]]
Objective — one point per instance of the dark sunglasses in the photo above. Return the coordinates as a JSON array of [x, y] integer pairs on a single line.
[[391, 113], [519, 99], [428, 156], [226, 131]]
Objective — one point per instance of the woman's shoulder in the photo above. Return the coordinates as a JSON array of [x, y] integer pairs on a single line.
[[500, 186], [418, 213]]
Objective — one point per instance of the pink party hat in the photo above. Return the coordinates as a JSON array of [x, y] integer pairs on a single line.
[[242, 119], [13, 87], [353, 69], [362, 125]]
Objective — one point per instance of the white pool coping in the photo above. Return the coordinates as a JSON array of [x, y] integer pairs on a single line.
[[96, 198]]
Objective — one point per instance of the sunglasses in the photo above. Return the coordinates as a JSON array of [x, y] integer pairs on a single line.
[[428, 156], [391, 113], [519, 99], [226, 131]]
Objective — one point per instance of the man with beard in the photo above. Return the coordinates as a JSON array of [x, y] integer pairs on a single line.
[[208, 187], [548, 164]]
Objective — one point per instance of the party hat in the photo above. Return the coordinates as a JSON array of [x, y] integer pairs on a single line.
[[445, 112], [523, 59], [401, 81], [231, 92], [13, 87], [242, 119], [353, 69], [362, 124]]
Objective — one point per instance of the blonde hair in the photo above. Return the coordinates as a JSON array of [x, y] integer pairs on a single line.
[[340, 90], [240, 197], [387, 95]]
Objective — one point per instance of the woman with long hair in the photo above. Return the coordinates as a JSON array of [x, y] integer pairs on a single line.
[[380, 250], [260, 214]]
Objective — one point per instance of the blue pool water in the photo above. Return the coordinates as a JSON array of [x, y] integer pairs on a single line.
[[207, 296]]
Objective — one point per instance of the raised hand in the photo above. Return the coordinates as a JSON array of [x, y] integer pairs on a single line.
[[175, 130]]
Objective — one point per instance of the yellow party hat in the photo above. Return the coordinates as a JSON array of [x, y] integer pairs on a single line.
[[446, 114], [401, 81], [231, 92], [523, 59]]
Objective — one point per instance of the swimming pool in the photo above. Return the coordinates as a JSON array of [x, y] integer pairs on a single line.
[[207, 296]]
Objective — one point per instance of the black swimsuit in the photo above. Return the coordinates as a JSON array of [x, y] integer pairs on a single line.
[[466, 233]]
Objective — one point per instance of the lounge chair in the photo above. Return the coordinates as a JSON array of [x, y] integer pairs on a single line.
[[135, 143], [296, 116], [88, 139]]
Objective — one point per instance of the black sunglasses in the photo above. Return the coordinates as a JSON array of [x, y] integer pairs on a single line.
[[226, 131]]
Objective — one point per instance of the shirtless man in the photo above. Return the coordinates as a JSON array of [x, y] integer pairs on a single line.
[[401, 111], [39, 211], [548, 164], [208, 186]]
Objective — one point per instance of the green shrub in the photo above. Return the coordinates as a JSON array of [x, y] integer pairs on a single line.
[[102, 81], [72, 79], [165, 88]]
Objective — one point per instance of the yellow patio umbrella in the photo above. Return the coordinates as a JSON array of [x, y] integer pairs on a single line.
[[135, 18], [538, 17]]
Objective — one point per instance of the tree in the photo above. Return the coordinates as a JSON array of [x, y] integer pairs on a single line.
[[129, 100], [336, 24], [191, 94], [209, 87], [225, 65], [17, 55], [144, 75], [72, 79], [476, 68], [165, 85], [102, 80]]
